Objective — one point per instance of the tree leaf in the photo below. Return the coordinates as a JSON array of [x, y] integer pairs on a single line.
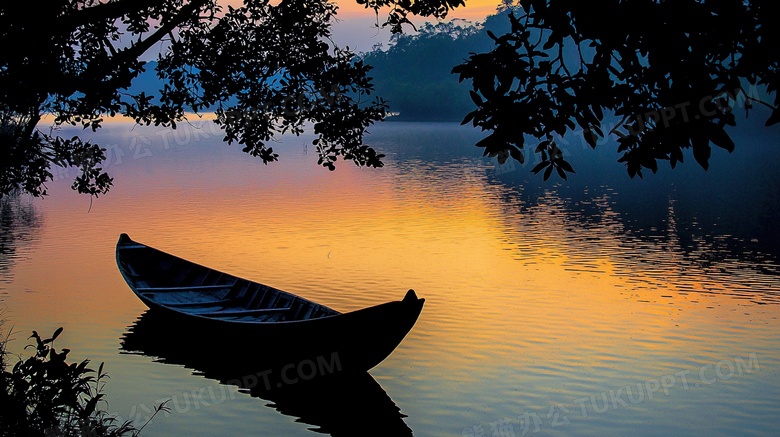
[[548, 172], [675, 156], [598, 112], [774, 118], [503, 155], [590, 138], [57, 333], [701, 150], [476, 98], [538, 167], [720, 138], [561, 173], [564, 165], [517, 154], [542, 146]]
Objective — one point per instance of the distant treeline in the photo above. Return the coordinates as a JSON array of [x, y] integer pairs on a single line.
[[414, 74]]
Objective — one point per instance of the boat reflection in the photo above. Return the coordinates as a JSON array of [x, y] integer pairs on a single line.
[[314, 390]]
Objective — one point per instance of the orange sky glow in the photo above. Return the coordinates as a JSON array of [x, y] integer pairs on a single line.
[[475, 10]]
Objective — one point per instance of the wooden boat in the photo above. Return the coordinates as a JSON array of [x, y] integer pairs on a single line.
[[199, 300]]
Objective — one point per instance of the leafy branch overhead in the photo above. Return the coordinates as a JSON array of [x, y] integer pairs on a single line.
[[671, 72], [265, 68]]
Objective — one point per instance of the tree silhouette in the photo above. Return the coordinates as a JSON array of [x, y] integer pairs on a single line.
[[264, 68], [671, 71]]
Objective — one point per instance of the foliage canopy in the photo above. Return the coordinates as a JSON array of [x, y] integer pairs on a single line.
[[672, 71], [264, 68]]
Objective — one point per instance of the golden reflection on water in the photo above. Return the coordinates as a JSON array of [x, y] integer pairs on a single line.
[[526, 305]]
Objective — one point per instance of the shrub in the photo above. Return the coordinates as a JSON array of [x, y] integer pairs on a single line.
[[43, 395]]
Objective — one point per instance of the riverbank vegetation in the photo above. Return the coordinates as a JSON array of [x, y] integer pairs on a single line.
[[43, 395]]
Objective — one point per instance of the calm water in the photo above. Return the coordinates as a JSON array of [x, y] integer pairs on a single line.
[[598, 306]]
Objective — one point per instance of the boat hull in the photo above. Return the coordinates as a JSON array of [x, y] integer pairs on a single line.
[[351, 342]]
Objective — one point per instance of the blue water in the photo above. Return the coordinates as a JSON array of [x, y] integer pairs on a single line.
[[601, 305]]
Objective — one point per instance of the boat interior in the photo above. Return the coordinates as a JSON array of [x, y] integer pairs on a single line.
[[191, 288]]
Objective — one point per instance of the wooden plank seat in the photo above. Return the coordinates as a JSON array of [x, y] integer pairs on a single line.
[[243, 312], [183, 288], [207, 303]]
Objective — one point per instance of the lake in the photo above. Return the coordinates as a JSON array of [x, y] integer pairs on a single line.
[[601, 305]]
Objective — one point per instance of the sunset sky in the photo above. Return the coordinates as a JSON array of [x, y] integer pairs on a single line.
[[350, 9], [474, 9], [357, 25]]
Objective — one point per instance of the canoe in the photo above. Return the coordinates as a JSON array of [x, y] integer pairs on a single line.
[[199, 300]]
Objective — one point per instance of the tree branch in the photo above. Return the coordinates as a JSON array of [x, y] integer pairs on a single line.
[[185, 13], [105, 11], [131, 53]]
